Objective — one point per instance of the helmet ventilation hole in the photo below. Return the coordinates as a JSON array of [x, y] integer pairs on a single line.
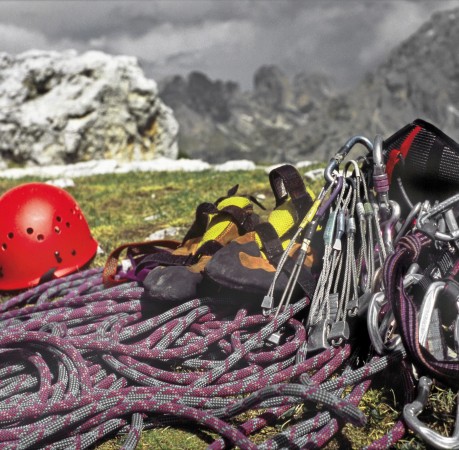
[[59, 219], [29, 230], [57, 256], [57, 230], [10, 235], [67, 224], [73, 252], [4, 246], [40, 237]]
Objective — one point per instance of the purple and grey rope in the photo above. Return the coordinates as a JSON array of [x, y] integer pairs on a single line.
[[80, 363]]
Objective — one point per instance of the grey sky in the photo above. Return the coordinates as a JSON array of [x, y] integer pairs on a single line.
[[227, 39]]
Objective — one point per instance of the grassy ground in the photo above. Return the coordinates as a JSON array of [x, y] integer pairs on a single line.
[[116, 207]]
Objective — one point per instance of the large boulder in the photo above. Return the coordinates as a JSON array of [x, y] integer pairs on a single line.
[[68, 107]]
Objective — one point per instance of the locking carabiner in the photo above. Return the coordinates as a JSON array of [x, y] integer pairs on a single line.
[[380, 178]]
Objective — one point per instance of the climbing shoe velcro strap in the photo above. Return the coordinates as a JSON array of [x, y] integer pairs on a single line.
[[201, 220], [286, 181], [271, 244], [240, 216], [208, 248], [167, 259]]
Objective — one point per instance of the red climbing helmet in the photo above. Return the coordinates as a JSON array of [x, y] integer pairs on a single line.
[[43, 235]]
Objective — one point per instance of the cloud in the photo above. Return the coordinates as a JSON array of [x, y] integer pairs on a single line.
[[393, 28], [225, 39], [15, 39], [167, 40]]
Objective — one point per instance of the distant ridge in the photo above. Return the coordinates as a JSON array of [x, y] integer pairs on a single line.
[[284, 119]]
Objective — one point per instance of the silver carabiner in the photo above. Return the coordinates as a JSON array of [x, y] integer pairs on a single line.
[[374, 331], [408, 221], [374, 308], [389, 225], [380, 179], [427, 307], [412, 410]]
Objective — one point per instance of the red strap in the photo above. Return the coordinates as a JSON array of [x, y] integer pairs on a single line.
[[403, 151], [137, 248]]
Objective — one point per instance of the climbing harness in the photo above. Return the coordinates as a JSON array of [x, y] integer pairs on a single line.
[[358, 281]]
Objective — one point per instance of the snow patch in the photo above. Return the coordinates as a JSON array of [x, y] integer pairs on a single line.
[[62, 175], [242, 164]]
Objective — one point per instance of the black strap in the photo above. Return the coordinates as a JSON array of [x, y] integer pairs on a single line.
[[199, 226], [270, 241], [286, 181], [240, 216], [166, 259]]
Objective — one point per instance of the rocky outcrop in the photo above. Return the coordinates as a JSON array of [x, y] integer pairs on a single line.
[[69, 107], [284, 119], [219, 122], [419, 79]]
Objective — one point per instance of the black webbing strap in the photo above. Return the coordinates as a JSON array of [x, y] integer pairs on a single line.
[[199, 226], [242, 217], [270, 241], [167, 259], [286, 181]]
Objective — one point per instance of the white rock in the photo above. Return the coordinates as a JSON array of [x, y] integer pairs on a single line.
[[303, 164], [272, 167], [57, 108], [61, 182], [152, 217], [170, 232], [241, 164]]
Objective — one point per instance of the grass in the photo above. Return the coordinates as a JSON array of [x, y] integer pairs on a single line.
[[116, 207]]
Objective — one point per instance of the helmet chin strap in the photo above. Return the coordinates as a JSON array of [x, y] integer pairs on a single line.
[[48, 275]]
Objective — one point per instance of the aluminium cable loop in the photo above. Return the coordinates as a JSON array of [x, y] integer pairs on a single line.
[[84, 363]]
